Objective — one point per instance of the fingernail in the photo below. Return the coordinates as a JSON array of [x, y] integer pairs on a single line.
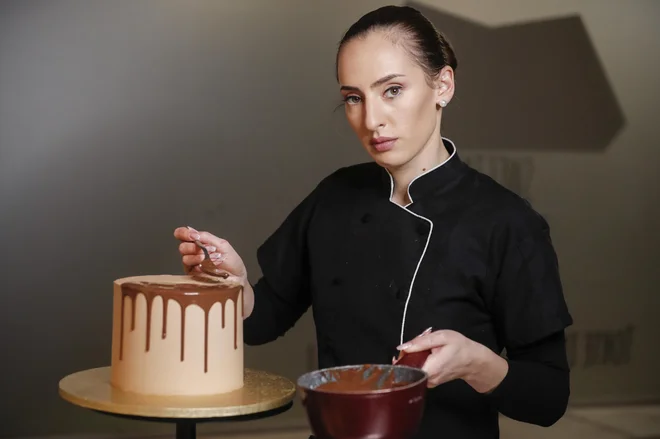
[[194, 236], [219, 259], [216, 256], [427, 331], [403, 347], [210, 249]]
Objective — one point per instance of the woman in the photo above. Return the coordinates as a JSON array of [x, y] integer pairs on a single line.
[[416, 239]]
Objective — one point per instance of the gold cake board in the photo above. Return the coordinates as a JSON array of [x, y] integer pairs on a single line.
[[263, 394]]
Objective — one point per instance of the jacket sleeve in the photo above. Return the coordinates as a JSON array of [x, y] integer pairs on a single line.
[[281, 295], [530, 316], [536, 389]]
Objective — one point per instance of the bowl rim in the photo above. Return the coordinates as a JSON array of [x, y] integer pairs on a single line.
[[424, 378]]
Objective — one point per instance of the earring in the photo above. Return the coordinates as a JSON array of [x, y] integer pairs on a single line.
[[443, 103]]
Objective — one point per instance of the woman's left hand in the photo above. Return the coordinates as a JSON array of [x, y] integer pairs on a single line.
[[454, 356]]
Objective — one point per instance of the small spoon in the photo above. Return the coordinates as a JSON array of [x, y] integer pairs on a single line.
[[207, 265]]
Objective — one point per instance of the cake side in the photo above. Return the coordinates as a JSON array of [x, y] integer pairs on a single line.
[[177, 335]]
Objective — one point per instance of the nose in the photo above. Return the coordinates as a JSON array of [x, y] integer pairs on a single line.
[[373, 114]]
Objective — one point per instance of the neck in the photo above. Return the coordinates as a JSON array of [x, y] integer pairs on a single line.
[[429, 157]]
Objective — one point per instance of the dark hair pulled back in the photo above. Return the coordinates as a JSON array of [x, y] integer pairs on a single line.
[[408, 26]]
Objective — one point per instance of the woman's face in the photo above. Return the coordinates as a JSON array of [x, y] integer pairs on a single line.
[[389, 101]]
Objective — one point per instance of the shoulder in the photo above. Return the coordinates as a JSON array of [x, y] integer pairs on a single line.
[[504, 211]]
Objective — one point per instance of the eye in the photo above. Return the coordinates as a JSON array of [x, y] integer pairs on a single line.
[[351, 99], [393, 91]]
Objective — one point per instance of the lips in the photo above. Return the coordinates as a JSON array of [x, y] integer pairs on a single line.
[[382, 144]]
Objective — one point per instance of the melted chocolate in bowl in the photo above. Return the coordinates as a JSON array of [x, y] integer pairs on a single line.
[[363, 378], [364, 401]]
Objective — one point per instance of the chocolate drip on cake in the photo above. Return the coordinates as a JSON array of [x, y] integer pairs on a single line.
[[204, 295]]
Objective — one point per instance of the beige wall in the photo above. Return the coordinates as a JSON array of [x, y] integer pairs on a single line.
[[122, 120]]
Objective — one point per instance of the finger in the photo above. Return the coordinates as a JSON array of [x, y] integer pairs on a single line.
[[431, 366], [426, 331], [181, 233], [219, 243], [192, 259], [209, 240], [436, 380], [424, 342], [188, 248], [441, 366], [186, 233], [188, 269], [433, 369], [432, 380]]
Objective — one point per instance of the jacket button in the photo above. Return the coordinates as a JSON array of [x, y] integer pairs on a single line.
[[366, 218], [336, 282], [422, 229]]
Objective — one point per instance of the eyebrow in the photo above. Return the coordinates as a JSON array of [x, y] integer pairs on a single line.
[[379, 82]]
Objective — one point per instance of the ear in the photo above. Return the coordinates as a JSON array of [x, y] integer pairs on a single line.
[[444, 86]]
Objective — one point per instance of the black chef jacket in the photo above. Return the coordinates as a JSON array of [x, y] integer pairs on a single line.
[[466, 254]]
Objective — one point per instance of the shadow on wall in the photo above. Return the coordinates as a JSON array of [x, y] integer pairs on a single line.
[[532, 87]]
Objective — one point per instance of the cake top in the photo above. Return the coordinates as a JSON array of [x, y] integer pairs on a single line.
[[179, 283]]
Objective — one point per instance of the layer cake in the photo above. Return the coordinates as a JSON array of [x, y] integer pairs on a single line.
[[177, 335]]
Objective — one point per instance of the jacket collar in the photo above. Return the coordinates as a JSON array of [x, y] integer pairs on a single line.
[[437, 180]]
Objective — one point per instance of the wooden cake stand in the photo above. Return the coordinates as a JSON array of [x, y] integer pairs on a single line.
[[262, 395]]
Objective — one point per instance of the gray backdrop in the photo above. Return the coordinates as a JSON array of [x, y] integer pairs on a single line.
[[121, 120]]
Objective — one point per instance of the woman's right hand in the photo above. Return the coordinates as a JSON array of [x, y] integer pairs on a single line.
[[222, 253]]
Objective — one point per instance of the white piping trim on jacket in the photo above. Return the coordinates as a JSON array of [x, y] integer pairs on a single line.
[[428, 239]]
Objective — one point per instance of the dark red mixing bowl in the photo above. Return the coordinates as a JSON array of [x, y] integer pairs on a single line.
[[367, 401]]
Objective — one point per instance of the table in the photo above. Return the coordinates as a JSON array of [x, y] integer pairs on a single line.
[[263, 394]]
